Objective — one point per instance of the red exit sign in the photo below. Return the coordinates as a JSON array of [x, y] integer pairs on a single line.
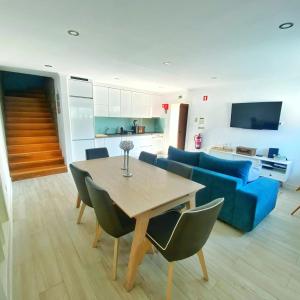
[[205, 98]]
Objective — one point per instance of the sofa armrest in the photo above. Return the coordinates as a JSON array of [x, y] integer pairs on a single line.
[[254, 201]]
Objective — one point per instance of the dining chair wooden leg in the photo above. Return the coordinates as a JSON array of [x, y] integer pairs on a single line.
[[147, 247], [115, 260], [170, 280], [97, 235], [203, 265], [78, 201], [82, 208], [294, 211]]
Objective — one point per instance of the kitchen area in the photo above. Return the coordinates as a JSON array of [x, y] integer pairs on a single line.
[[103, 116]]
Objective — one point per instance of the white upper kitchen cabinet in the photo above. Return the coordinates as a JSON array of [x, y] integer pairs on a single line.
[[101, 101], [141, 105], [114, 102], [126, 103], [157, 110], [80, 88]]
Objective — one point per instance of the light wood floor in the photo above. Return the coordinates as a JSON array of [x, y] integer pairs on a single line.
[[53, 257]]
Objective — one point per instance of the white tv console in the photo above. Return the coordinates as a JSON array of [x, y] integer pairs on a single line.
[[270, 167]]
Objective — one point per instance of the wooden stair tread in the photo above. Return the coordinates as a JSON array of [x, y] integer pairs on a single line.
[[29, 126], [32, 156], [13, 149], [38, 171], [14, 120], [27, 114], [36, 163], [29, 99], [31, 140], [30, 132]]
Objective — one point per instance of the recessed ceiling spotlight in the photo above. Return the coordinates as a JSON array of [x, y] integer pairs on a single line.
[[286, 25], [160, 87], [48, 66], [213, 77], [116, 78], [73, 32], [166, 63]]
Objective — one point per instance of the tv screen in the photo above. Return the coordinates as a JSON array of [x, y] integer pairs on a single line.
[[256, 115]]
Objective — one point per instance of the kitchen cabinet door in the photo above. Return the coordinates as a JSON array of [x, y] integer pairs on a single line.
[[114, 102], [100, 143], [79, 147], [100, 110], [126, 103], [78, 88], [101, 101], [113, 146], [141, 105], [157, 110]]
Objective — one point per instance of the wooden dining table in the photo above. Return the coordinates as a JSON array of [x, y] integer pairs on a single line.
[[148, 193]]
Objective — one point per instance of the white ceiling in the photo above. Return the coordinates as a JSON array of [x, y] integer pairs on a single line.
[[234, 40]]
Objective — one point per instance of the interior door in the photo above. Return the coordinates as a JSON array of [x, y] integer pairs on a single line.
[[182, 124]]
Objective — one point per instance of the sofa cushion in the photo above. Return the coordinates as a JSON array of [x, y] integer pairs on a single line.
[[190, 158], [254, 173], [235, 168]]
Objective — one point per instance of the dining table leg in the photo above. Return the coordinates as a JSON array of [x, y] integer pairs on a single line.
[[192, 203], [136, 248]]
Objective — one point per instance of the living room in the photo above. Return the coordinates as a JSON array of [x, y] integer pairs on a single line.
[[125, 126]]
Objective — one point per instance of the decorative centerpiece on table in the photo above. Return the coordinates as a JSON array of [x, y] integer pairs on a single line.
[[126, 146]]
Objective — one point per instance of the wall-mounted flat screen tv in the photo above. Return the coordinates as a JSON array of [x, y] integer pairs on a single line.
[[256, 115]]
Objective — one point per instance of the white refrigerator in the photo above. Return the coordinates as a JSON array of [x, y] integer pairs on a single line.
[[82, 126]]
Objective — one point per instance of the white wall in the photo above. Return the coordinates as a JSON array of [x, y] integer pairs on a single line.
[[217, 118], [6, 265]]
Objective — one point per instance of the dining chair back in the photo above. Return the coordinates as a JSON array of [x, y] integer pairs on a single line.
[[147, 157], [110, 217], [96, 153], [79, 179], [192, 230], [180, 169]]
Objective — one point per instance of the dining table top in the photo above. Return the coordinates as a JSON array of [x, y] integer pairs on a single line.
[[148, 188]]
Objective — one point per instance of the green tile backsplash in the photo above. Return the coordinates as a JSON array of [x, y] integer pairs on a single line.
[[151, 124]]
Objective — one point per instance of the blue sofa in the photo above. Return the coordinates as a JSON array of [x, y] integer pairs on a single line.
[[246, 203]]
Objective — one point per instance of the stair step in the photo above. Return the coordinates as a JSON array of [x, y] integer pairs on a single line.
[[21, 103], [13, 120], [30, 126], [19, 108], [28, 114], [13, 149], [30, 133], [25, 99], [38, 171], [36, 163], [31, 140], [32, 156]]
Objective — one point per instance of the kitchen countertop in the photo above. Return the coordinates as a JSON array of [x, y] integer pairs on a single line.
[[101, 135]]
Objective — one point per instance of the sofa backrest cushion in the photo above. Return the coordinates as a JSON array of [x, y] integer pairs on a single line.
[[189, 158], [235, 168]]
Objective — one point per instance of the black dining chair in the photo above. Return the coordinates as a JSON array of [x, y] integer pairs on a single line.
[[180, 169], [180, 235], [147, 157], [83, 195], [110, 217], [96, 153]]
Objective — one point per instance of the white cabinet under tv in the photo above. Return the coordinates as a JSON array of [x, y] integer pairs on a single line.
[[271, 168]]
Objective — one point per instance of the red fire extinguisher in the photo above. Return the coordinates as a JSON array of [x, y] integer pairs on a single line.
[[198, 141]]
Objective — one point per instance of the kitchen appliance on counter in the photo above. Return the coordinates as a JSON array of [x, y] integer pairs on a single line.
[[140, 129]]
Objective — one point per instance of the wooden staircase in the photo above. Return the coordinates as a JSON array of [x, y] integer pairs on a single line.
[[32, 142]]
